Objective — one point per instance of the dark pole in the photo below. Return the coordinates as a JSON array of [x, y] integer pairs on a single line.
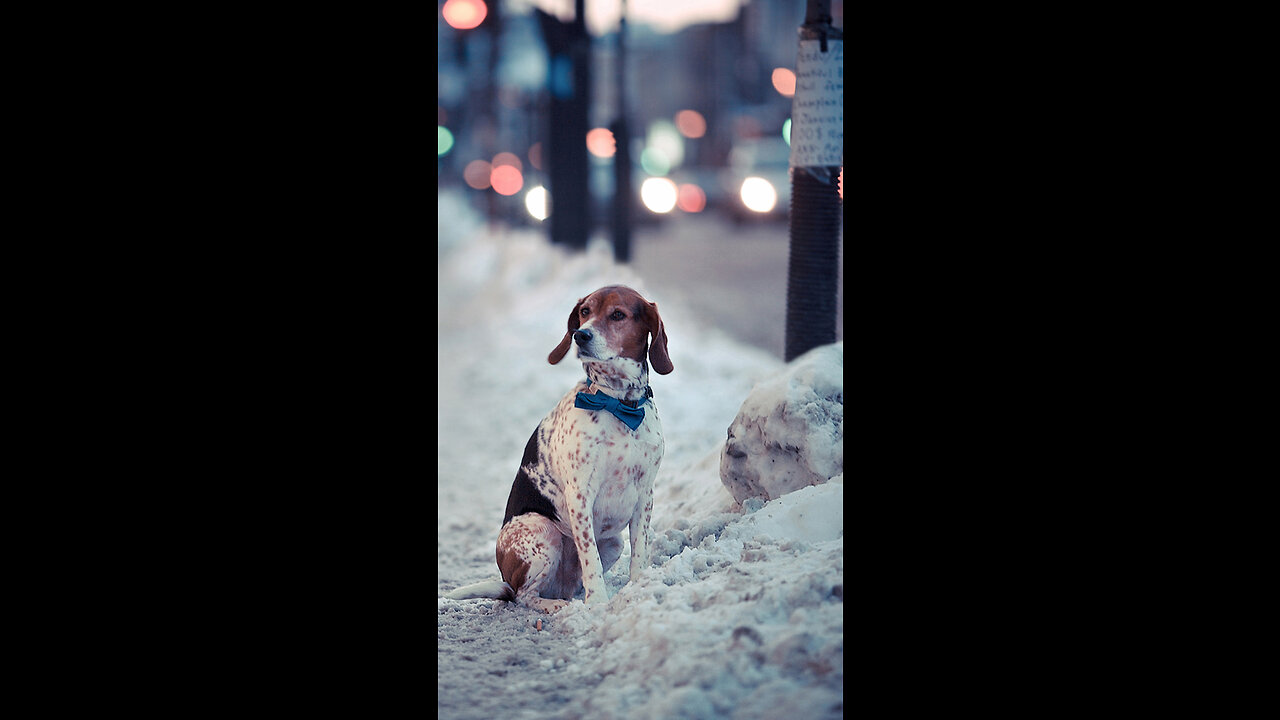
[[817, 153], [622, 156], [566, 157], [493, 23]]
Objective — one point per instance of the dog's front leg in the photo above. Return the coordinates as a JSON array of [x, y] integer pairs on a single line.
[[640, 528], [580, 503]]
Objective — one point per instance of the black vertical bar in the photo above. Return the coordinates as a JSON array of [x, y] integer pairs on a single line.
[[622, 156], [569, 46], [813, 265], [493, 25], [580, 220], [812, 268]]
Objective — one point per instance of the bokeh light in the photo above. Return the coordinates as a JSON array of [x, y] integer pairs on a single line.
[[654, 161], [506, 179], [476, 174], [658, 194], [535, 155], [758, 194], [691, 199], [691, 124], [444, 140], [841, 185], [665, 139], [784, 81], [536, 202], [464, 14], [786, 131], [601, 143], [506, 158]]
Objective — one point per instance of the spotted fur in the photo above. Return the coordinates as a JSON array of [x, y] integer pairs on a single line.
[[585, 476]]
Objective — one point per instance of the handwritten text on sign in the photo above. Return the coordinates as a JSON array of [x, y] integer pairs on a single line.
[[817, 110]]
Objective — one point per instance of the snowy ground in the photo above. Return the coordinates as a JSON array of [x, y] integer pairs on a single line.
[[741, 614]]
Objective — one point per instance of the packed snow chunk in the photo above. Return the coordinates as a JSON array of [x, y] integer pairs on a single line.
[[789, 433], [809, 515]]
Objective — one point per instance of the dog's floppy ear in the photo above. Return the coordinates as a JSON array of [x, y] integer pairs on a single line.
[[558, 354], [658, 356]]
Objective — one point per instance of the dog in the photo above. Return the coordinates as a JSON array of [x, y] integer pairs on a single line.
[[589, 467]]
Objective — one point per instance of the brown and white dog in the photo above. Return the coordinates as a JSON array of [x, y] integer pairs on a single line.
[[588, 469]]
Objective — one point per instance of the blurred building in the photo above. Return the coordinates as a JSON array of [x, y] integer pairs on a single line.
[[492, 92], [720, 70]]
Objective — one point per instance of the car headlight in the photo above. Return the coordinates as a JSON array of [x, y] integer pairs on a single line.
[[758, 194], [658, 194]]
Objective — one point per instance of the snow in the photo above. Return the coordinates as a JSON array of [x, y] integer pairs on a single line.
[[740, 614], [790, 431]]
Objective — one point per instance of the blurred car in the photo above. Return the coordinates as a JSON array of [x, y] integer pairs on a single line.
[[757, 182]]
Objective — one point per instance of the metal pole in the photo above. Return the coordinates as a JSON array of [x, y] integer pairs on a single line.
[[569, 81], [817, 154], [493, 23], [622, 156]]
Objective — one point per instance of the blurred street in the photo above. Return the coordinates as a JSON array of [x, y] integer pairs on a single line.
[[733, 276], [683, 107]]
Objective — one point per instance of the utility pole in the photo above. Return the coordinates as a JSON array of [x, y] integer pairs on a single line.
[[817, 154], [493, 23], [622, 155], [566, 158]]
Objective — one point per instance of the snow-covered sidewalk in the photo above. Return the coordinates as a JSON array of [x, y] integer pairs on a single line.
[[741, 614]]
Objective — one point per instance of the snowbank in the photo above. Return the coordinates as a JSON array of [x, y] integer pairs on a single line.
[[747, 624], [789, 433]]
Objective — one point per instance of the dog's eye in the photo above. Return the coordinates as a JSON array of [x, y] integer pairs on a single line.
[[585, 312], [617, 315]]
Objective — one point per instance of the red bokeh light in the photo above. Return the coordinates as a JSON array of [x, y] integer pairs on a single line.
[[691, 199], [691, 124], [506, 158], [476, 174], [464, 14], [506, 180], [784, 81], [601, 143]]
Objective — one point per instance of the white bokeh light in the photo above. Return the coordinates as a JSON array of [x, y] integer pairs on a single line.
[[659, 194], [758, 194], [535, 201]]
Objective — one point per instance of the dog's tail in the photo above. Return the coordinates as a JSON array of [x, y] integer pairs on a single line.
[[492, 589]]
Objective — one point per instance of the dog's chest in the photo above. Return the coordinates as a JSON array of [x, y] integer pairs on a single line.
[[617, 485], [613, 467]]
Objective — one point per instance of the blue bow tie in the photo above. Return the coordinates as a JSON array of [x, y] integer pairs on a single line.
[[631, 416]]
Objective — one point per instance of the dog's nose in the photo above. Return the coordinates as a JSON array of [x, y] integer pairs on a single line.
[[582, 337]]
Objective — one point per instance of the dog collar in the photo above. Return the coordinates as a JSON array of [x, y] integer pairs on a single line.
[[630, 415]]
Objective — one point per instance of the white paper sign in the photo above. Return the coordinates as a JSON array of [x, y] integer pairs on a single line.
[[817, 110]]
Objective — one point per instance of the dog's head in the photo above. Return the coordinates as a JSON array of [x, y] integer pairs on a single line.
[[616, 322]]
